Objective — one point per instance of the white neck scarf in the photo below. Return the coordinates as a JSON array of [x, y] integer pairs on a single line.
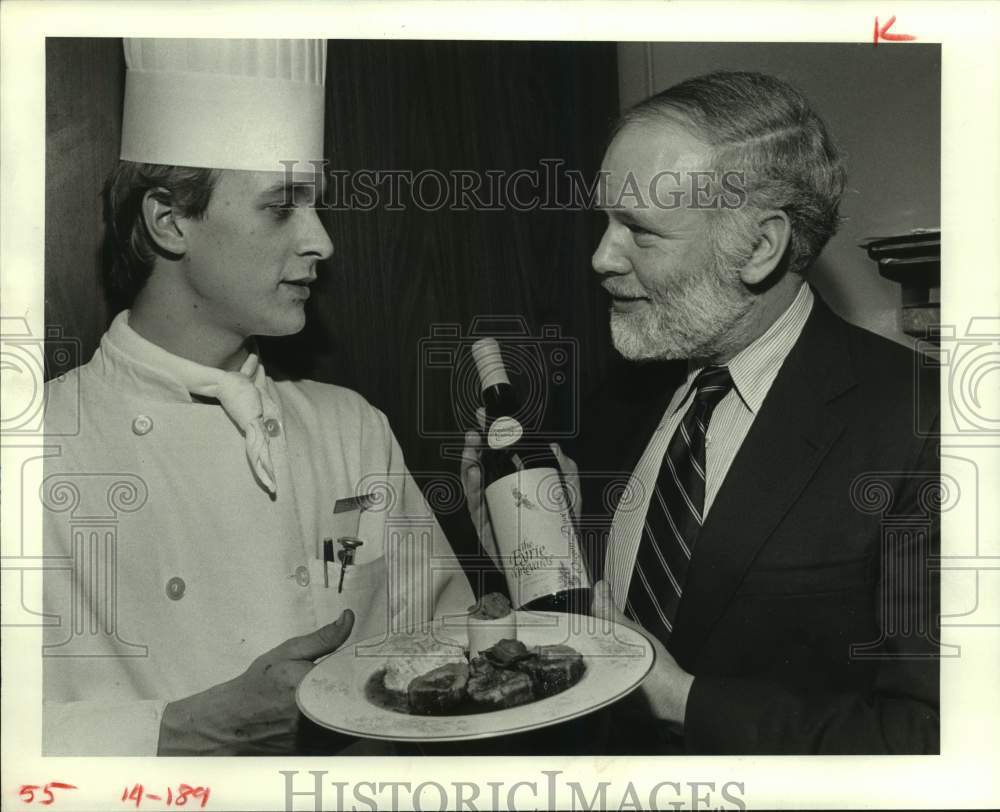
[[243, 395]]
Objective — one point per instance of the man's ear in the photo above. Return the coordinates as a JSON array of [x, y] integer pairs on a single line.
[[773, 233], [162, 222]]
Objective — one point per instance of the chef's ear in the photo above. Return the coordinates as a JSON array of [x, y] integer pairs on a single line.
[[163, 222]]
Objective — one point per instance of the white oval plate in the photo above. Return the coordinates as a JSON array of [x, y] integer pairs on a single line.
[[617, 659]]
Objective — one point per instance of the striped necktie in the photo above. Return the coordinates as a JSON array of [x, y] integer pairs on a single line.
[[674, 518]]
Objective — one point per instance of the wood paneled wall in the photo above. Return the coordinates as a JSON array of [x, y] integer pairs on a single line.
[[84, 84]]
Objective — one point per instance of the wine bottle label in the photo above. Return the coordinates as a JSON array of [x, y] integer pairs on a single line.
[[534, 534], [504, 431]]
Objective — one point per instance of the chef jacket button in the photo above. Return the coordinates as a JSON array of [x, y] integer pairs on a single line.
[[302, 576], [175, 588], [272, 426], [142, 425]]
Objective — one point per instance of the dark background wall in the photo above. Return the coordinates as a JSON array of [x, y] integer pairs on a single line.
[[84, 85], [396, 275]]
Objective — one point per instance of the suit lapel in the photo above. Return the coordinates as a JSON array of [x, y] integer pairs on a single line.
[[790, 436]]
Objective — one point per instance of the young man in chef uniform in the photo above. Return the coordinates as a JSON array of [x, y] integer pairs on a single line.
[[192, 505]]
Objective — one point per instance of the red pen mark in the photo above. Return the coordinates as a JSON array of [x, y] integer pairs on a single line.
[[883, 32], [197, 793], [134, 795], [27, 792], [137, 794]]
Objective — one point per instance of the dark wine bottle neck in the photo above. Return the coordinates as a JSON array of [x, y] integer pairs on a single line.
[[500, 400]]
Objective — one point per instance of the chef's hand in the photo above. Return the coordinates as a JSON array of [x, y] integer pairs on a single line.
[[472, 480], [667, 686], [255, 713]]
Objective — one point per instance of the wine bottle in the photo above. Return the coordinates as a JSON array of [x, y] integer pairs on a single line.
[[527, 501]]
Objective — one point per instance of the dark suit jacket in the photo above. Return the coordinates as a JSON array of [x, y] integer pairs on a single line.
[[810, 614]]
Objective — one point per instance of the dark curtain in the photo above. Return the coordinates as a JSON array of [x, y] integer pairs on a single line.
[[398, 280]]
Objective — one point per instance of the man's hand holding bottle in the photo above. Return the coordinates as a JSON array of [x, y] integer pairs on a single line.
[[523, 498]]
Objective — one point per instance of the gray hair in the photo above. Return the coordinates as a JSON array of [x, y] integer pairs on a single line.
[[764, 128]]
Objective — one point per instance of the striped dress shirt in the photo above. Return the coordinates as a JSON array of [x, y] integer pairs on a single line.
[[753, 370]]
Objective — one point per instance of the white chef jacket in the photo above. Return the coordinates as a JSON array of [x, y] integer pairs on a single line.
[[180, 568]]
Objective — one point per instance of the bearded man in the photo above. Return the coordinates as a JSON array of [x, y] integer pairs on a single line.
[[791, 612], [763, 497]]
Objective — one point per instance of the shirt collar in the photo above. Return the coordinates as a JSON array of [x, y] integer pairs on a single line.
[[146, 368], [754, 368]]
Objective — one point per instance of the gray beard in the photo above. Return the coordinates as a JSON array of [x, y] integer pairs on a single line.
[[693, 323]]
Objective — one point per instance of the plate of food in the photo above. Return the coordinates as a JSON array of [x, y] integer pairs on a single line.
[[490, 672]]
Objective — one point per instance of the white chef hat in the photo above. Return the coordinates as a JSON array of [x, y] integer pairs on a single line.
[[224, 103]]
